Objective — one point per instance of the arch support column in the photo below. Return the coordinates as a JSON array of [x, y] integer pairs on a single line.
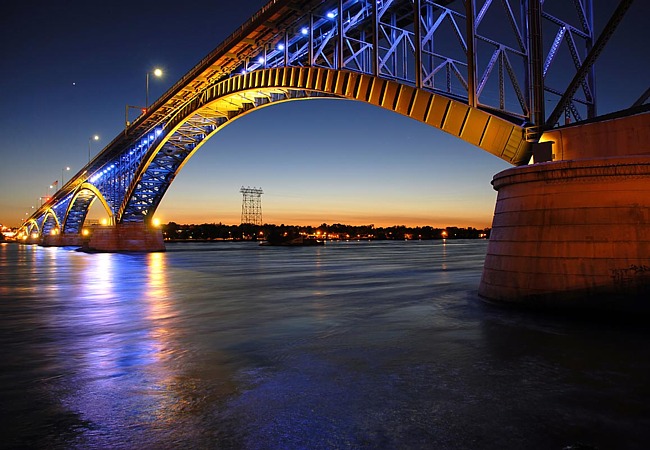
[[571, 234], [125, 237], [62, 240]]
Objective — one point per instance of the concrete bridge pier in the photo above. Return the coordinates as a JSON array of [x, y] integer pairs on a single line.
[[125, 237], [62, 240], [573, 233]]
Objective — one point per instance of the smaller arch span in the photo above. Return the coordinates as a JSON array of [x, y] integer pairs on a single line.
[[27, 229], [50, 222], [82, 199]]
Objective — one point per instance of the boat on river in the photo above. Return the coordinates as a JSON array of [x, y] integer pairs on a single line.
[[291, 240]]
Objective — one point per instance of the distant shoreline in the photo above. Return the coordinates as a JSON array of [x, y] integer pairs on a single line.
[[173, 232]]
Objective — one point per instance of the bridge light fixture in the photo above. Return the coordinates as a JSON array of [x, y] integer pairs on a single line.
[[260, 60], [157, 73], [63, 170], [331, 15], [280, 47], [304, 31], [90, 139]]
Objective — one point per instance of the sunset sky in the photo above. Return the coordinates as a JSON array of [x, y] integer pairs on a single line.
[[70, 68]]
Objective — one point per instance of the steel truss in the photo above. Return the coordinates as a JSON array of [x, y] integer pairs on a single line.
[[251, 207], [500, 57]]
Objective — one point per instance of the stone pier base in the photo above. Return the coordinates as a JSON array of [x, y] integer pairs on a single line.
[[572, 234], [62, 240], [126, 237]]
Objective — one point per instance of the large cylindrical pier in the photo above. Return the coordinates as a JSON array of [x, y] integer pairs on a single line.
[[572, 234]]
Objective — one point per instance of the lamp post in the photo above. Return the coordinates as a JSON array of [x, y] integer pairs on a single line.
[[158, 73], [90, 139], [127, 122], [62, 172]]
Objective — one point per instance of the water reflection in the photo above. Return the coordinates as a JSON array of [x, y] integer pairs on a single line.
[[114, 337], [350, 345]]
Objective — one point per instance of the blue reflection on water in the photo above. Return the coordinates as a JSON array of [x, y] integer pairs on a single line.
[[350, 345]]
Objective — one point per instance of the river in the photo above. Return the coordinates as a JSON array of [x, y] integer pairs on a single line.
[[368, 345]]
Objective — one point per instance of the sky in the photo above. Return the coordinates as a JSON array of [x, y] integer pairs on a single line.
[[69, 69]]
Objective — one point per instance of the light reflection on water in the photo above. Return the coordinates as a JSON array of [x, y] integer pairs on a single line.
[[350, 345]]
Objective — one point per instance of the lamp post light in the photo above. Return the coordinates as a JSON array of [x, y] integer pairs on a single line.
[[90, 139], [66, 169], [158, 73]]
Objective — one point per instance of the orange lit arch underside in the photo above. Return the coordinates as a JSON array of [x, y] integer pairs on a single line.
[[229, 98]]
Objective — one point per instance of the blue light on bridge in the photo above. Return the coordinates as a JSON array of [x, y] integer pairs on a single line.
[[331, 14], [304, 31], [280, 46], [142, 144]]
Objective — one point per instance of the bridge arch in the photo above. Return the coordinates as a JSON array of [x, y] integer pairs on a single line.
[[216, 106], [80, 204], [28, 228], [50, 222]]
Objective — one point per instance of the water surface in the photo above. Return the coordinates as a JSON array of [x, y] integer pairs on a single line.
[[350, 345]]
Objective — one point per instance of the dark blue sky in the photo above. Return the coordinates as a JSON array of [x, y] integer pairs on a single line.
[[69, 69]]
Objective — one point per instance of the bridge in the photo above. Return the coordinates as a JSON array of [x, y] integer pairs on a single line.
[[482, 72]]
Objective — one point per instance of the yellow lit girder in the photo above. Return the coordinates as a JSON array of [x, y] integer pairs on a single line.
[[236, 96]]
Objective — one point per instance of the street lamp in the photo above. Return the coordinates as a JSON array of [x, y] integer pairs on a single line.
[[158, 73], [62, 172], [90, 139]]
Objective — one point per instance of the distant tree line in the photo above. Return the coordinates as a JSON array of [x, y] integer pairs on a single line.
[[219, 231]]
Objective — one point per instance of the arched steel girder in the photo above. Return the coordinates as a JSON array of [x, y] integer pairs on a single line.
[[217, 105], [79, 206], [50, 222], [30, 225]]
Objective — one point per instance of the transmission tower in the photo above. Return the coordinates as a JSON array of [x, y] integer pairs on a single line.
[[251, 206]]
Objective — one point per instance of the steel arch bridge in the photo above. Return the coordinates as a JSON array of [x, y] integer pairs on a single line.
[[481, 70]]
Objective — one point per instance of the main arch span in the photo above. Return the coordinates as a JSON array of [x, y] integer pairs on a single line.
[[218, 105]]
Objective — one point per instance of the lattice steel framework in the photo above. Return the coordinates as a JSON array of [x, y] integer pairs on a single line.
[[483, 70], [251, 205]]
